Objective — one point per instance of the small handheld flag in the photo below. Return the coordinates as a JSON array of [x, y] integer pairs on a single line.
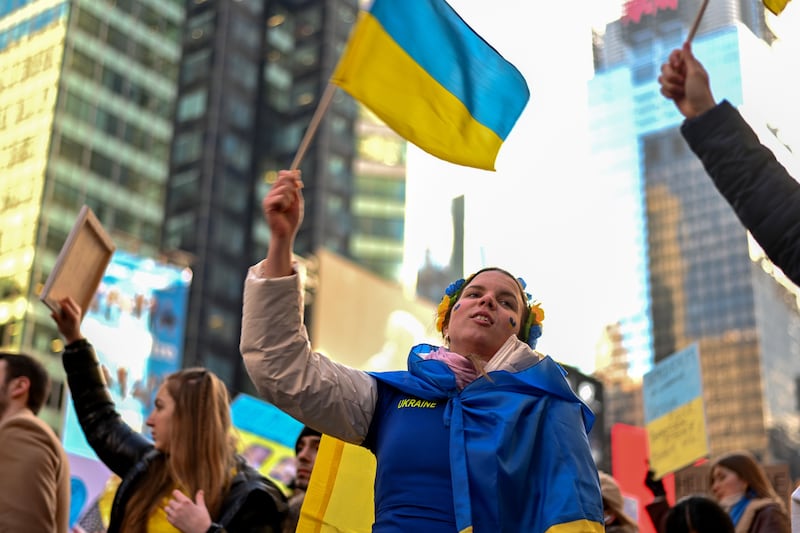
[[420, 68]]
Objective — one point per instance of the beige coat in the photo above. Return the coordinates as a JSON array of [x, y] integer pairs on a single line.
[[34, 494], [330, 397]]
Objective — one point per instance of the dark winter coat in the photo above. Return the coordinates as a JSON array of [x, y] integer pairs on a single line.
[[762, 193]]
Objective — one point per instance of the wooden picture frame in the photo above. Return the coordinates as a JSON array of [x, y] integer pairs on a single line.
[[81, 263]]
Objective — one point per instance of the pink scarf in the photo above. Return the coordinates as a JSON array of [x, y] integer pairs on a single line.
[[462, 367]]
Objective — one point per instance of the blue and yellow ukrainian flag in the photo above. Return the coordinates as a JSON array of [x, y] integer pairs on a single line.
[[420, 68], [776, 6]]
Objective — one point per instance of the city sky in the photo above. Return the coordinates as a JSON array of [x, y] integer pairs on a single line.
[[541, 214]]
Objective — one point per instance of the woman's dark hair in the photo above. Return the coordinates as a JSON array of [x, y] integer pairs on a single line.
[[697, 514]]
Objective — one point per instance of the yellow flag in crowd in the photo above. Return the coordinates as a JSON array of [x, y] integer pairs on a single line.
[[340, 495]]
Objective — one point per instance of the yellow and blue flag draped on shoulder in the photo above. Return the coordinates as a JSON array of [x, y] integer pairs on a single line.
[[420, 68], [529, 466], [776, 6]]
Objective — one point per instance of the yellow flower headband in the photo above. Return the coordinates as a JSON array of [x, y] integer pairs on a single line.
[[530, 332]]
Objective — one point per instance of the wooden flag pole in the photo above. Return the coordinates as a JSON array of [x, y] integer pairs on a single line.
[[324, 102], [696, 23]]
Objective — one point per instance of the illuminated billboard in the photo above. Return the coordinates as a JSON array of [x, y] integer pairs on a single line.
[[366, 322], [136, 323]]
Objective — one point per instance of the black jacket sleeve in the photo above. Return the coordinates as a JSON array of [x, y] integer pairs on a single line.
[[762, 193], [117, 445], [254, 504]]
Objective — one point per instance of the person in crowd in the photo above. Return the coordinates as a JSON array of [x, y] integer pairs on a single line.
[[697, 514], [480, 434], [35, 493], [615, 518], [740, 486], [188, 479], [765, 197], [659, 507], [305, 449]]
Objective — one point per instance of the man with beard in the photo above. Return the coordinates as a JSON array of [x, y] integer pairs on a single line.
[[35, 496]]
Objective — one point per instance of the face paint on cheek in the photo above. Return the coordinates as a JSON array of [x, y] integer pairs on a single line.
[[455, 307], [512, 322]]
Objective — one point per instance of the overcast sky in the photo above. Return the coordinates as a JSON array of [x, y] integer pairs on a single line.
[[541, 215]]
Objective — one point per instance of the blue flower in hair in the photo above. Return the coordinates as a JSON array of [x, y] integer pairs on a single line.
[[533, 335], [533, 326], [450, 295], [524, 285], [454, 287]]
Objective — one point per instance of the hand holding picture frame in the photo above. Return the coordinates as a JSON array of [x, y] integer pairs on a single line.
[[81, 263]]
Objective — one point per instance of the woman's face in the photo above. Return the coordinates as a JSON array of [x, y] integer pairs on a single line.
[[488, 312], [725, 482], [160, 419]]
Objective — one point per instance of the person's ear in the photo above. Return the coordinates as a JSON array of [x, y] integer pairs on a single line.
[[19, 386]]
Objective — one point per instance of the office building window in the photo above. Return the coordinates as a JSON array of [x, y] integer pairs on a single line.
[[239, 113], [192, 105], [70, 150], [101, 165], [89, 23], [196, 66], [234, 194], [201, 26], [236, 152], [242, 70], [185, 190], [227, 235], [246, 32], [180, 232], [82, 64], [188, 147]]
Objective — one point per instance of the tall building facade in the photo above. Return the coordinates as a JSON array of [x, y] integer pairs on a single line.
[[699, 280], [252, 76], [433, 279], [379, 197], [87, 90], [622, 392]]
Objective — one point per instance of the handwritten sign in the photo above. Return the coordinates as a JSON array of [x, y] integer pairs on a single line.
[[673, 412]]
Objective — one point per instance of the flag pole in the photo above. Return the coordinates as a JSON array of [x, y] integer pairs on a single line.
[[322, 107], [696, 23]]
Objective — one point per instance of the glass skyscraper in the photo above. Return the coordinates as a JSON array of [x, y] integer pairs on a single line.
[[694, 272]]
